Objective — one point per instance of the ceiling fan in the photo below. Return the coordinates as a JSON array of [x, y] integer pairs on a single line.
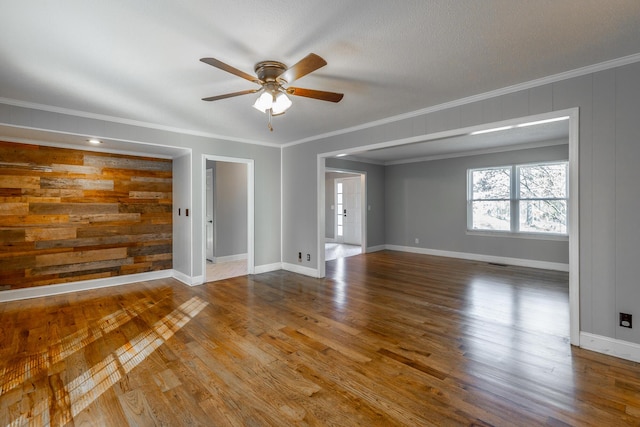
[[273, 78]]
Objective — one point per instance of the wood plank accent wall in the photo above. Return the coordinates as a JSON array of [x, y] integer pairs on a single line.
[[68, 215]]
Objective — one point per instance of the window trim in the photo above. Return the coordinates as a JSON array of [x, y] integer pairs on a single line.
[[514, 206]]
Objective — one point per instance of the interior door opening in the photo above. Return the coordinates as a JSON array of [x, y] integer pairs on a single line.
[[227, 243], [447, 138]]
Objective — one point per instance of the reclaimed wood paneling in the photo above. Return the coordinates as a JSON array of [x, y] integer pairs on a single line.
[[37, 234], [10, 181], [69, 215], [83, 184], [14, 208]]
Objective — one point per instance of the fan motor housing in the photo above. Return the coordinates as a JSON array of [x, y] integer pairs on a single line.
[[268, 71]]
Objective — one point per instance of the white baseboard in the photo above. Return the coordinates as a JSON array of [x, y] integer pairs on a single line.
[[520, 262], [610, 346], [267, 268], [199, 280], [82, 285], [230, 258], [307, 271], [181, 277], [189, 280], [376, 248]]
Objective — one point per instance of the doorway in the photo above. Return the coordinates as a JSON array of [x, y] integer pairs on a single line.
[[443, 140], [228, 218], [344, 214]]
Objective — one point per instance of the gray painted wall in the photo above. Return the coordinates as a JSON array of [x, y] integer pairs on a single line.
[[181, 197], [428, 201], [230, 207], [609, 132], [266, 200]]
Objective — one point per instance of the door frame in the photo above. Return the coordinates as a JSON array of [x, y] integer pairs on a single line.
[[321, 229], [250, 208], [335, 223], [211, 193]]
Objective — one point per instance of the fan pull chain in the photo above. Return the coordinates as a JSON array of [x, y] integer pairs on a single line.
[[269, 124]]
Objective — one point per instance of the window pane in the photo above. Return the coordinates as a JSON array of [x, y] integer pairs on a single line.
[[491, 183], [340, 198], [488, 215], [339, 230], [339, 187], [543, 216], [339, 220], [543, 181]]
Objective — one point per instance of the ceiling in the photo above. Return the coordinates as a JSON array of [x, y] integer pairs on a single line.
[[139, 61], [513, 137]]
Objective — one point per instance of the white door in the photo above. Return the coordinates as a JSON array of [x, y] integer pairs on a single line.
[[209, 217], [348, 211]]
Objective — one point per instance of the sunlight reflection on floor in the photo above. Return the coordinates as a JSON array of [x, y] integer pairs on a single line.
[[82, 391]]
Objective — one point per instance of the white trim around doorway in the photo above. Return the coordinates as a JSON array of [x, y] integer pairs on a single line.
[[574, 202], [250, 207]]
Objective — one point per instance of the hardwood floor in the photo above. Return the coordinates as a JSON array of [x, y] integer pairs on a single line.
[[387, 338]]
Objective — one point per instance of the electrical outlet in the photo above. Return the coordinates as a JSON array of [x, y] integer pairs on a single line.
[[625, 320], [308, 257], [417, 240]]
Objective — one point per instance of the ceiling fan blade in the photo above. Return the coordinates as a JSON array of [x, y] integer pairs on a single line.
[[315, 94], [230, 95], [229, 69], [303, 67]]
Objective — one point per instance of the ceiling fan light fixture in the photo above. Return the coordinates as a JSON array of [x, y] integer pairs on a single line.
[[281, 104], [273, 78], [264, 101]]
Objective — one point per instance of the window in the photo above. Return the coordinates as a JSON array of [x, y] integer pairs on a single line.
[[519, 198], [491, 201], [339, 207]]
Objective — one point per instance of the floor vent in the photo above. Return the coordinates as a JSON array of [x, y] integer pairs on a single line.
[[498, 264]]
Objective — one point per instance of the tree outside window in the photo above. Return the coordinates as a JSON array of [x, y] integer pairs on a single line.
[[519, 198]]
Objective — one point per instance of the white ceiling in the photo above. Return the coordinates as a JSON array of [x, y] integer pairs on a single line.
[[139, 60], [513, 138]]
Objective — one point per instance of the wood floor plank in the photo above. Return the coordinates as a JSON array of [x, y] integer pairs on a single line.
[[385, 339]]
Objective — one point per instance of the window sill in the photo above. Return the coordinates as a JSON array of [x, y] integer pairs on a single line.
[[534, 236]]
